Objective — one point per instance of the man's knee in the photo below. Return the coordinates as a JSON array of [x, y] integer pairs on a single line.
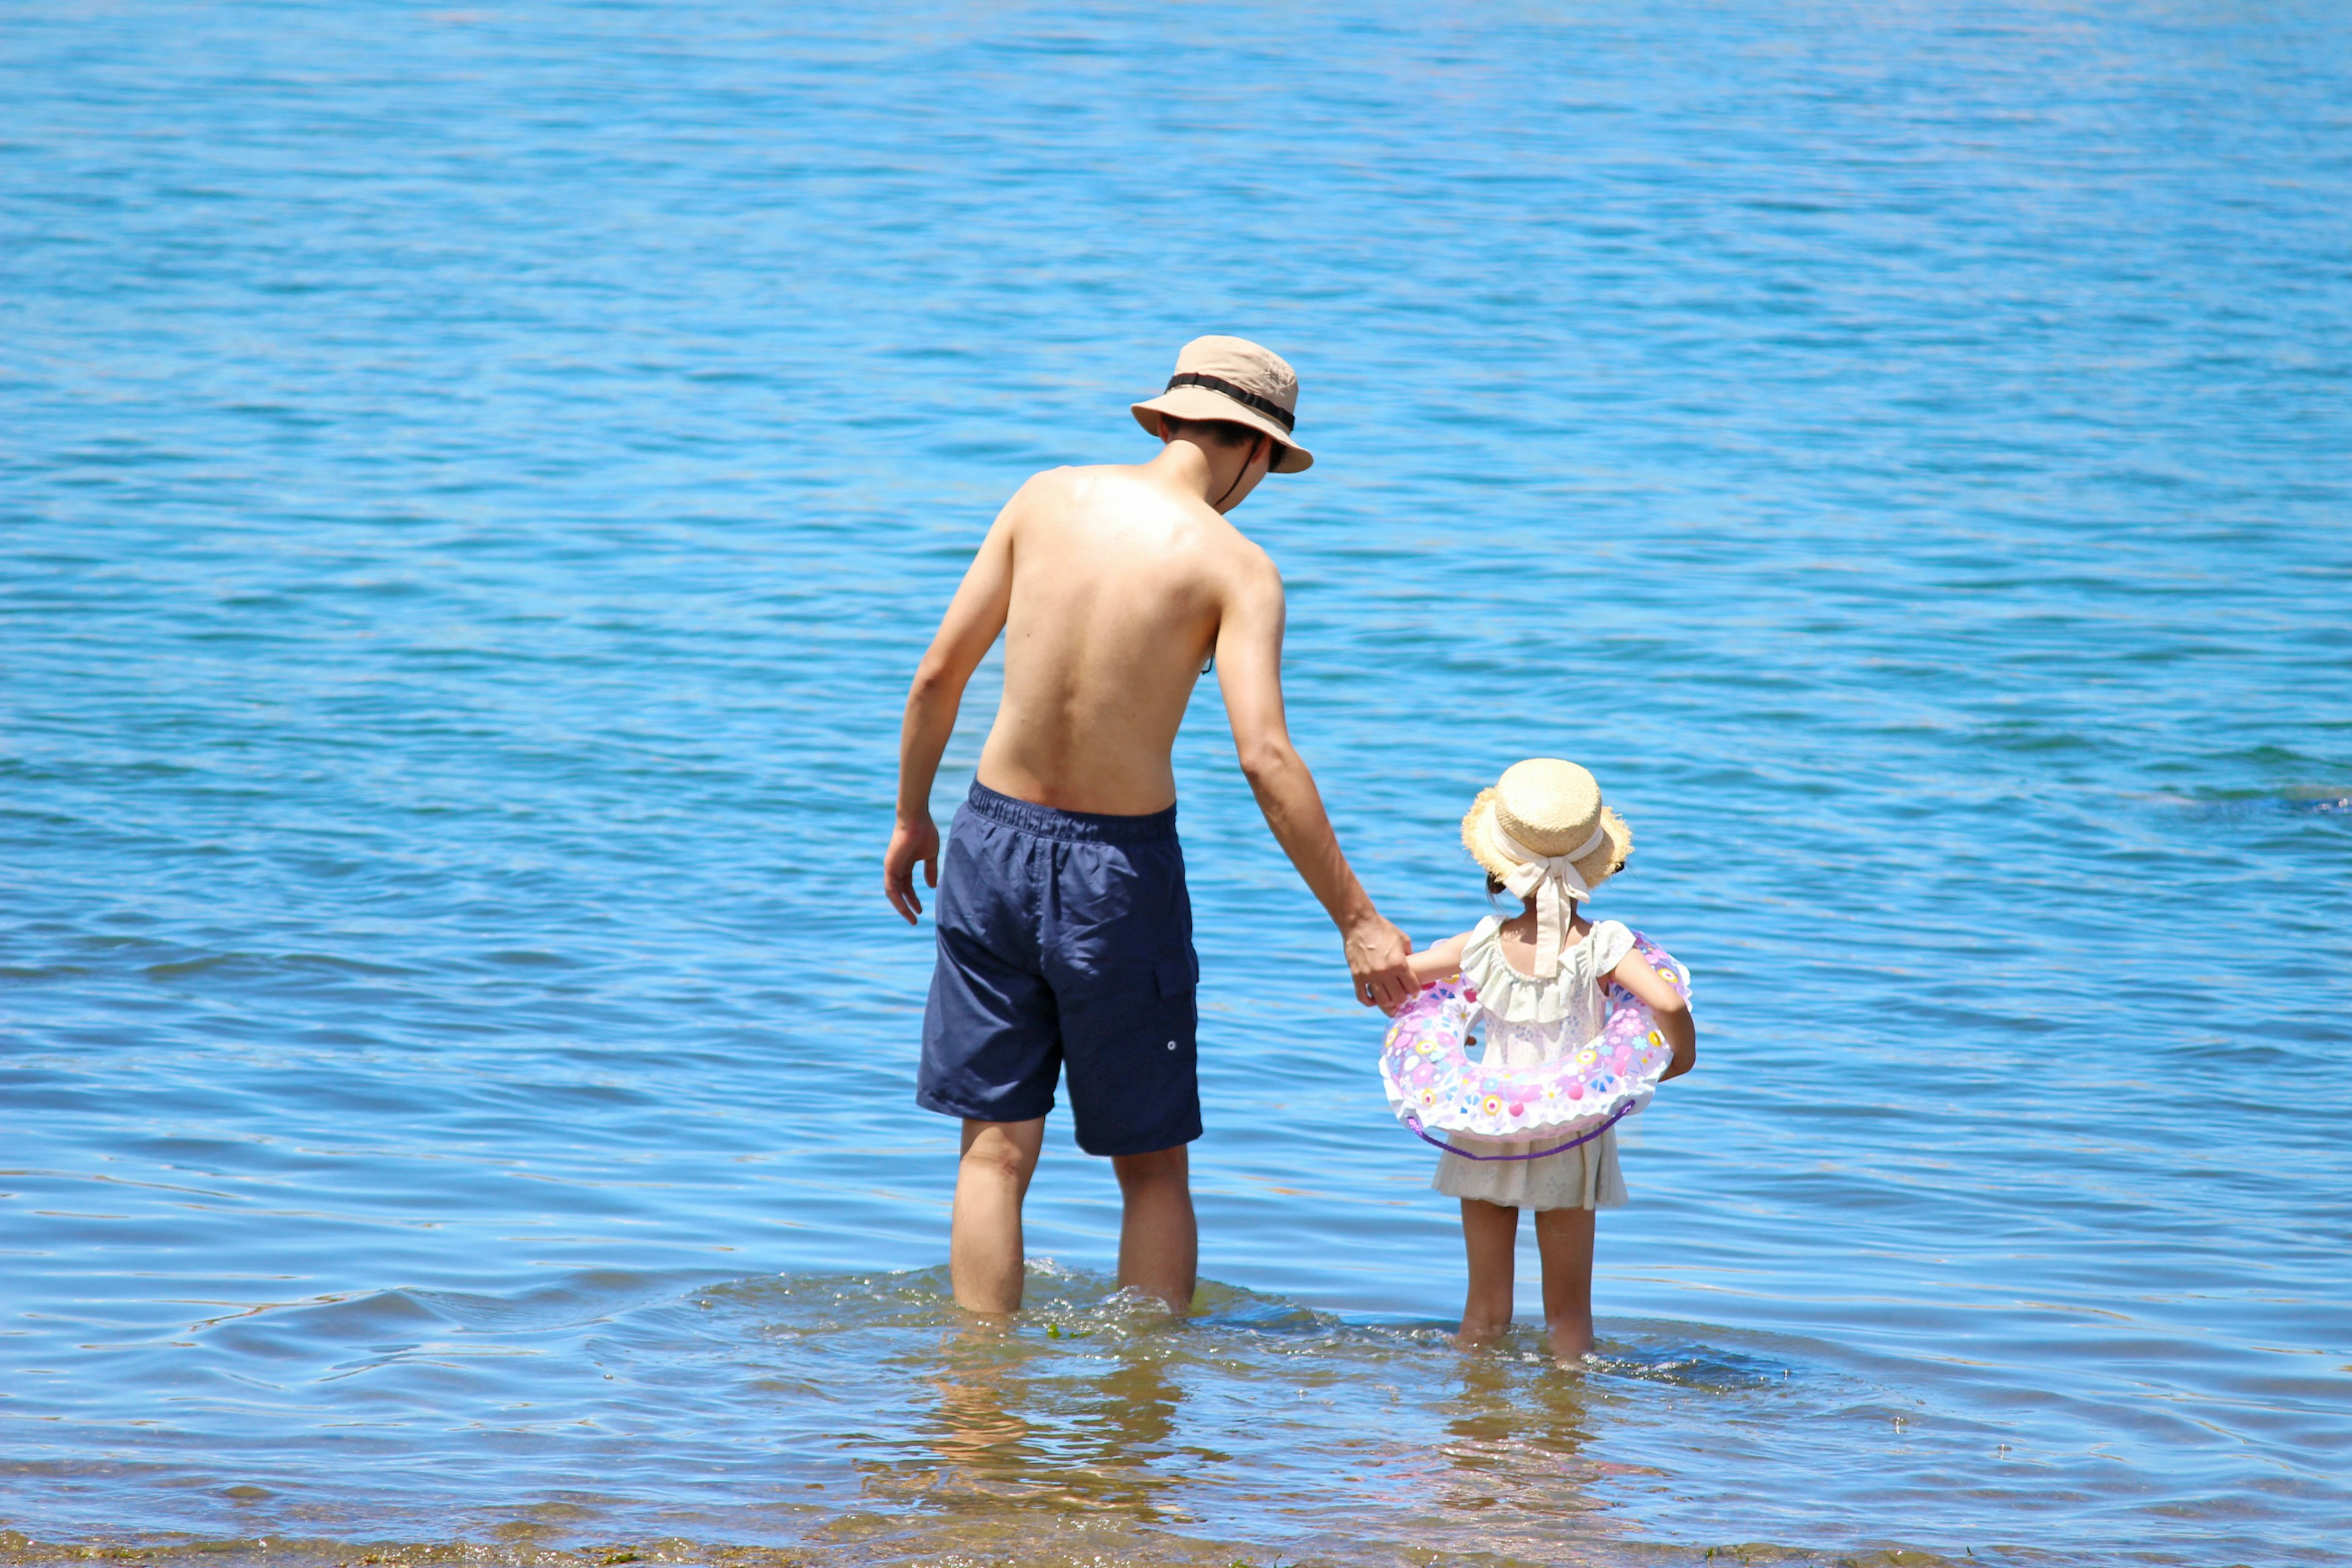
[[1161, 1167], [1007, 1150]]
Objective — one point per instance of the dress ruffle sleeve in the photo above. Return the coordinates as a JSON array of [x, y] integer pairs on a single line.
[[1610, 940]]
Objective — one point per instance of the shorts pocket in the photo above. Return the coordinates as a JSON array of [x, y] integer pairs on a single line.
[[1179, 973]]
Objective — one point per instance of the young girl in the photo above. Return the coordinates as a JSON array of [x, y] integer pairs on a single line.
[[1542, 832]]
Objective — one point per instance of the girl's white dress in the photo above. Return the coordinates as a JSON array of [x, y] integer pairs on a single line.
[[1525, 1023]]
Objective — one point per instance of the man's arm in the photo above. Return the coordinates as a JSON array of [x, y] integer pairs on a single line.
[[974, 616], [1249, 672]]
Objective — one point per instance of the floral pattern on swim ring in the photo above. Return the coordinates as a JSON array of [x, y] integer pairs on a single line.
[[1432, 1082]]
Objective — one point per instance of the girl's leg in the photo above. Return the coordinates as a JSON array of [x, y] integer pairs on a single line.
[[1564, 1238], [1490, 1234]]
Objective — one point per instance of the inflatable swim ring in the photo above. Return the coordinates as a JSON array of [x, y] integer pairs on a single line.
[[1432, 1083]]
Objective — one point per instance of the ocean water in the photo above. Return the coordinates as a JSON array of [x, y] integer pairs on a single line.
[[474, 484]]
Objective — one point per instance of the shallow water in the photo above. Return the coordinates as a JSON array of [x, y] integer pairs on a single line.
[[473, 486]]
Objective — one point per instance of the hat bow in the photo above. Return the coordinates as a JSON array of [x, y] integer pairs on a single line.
[[1557, 885]]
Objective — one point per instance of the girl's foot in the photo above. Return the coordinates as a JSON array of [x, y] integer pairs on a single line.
[[1571, 1342], [1474, 1336]]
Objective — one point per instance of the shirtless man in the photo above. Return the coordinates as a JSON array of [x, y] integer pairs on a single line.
[[1064, 930]]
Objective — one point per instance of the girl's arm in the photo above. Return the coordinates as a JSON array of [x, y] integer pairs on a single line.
[[1434, 965], [1666, 1005]]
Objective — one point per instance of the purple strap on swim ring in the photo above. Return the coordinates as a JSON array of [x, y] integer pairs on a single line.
[[1572, 1100], [1412, 1125]]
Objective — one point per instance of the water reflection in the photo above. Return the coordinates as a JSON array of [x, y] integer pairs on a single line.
[[975, 1429], [1082, 1418], [1515, 1430]]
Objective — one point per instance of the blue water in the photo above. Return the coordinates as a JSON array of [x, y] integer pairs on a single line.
[[473, 485]]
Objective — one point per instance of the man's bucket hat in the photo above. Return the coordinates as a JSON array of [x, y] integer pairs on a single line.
[[1235, 380]]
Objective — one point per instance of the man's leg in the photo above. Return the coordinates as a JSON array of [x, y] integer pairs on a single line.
[[984, 1258], [1158, 1246]]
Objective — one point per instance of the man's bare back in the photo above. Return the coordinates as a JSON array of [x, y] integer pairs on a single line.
[[1120, 588], [1070, 939]]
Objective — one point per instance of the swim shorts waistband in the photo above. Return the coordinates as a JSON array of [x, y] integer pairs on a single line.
[[1077, 826]]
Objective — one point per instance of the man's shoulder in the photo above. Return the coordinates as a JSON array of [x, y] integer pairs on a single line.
[[1071, 485], [1074, 491], [1251, 560], [1077, 476]]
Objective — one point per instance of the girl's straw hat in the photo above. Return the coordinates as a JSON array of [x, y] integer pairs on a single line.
[[1237, 381], [1542, 831]]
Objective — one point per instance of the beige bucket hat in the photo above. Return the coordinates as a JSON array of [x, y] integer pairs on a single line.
[[1237, 380], [1542, 829]]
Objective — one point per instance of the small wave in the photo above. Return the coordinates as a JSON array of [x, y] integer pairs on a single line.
[[2244, 803], [269, 963]]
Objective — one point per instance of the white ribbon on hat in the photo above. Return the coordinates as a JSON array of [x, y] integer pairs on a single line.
[[1557, 885]]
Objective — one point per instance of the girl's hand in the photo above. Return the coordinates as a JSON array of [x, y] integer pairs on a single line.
[[1438, 963]]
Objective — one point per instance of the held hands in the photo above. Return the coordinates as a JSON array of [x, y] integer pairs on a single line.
[[1377, 954], [910, 841]]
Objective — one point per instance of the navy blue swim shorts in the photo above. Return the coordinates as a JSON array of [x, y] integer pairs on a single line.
[[1065, 938]]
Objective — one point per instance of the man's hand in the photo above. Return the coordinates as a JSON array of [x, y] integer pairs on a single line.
[[910, 841], [1377, 952]]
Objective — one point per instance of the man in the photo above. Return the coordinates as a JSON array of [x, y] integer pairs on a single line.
[[1064, 930]]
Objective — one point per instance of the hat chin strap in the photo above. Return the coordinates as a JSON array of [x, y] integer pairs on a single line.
[[1218, 505], [1557, 885]]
